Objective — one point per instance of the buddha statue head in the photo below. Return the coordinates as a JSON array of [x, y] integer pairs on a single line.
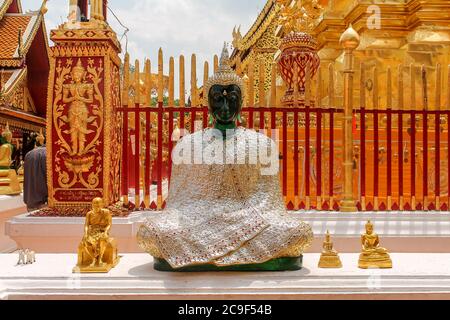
[[97, 204], [225, 94], [369, 227], [7, 135]]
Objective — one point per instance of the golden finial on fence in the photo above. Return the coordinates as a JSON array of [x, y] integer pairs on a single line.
[[261, 83], [182, 82], [205, 79], [273, 86], [126, 79], [137, 82], [331, 94], [362, 86], [438, 87], [307, 84], [375, 96], [401, 96], [424, 87], [319, 88], [296, 93], [413, 86], [148, 82], [389, 88], [160, 76], [193, 80], [171, 82]]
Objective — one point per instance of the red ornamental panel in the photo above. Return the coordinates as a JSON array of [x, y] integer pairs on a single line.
[[77, 130], [298, 52]]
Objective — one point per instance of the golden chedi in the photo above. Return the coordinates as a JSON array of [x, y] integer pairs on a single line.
[[330, 257], [97, 252], [9, 183], [373, 256]]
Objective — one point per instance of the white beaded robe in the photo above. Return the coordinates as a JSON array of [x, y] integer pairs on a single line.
[[223, 209]]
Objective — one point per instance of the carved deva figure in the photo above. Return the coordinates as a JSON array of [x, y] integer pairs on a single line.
[[373, 256], [78, 95], [9, 182], [97, 252], [225, 212]]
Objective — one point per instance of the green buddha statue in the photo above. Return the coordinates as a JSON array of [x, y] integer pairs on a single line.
[[9, 183], [225, 210]]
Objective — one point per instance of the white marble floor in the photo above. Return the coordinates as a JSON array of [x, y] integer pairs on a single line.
[[414, 276]]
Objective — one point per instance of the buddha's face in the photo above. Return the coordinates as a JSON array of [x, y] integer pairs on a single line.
[[225, 103], [369, 229]]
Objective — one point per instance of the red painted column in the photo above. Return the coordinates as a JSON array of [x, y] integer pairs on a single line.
[[160, 154], [376, 158], [331, 164], [296, 163], [137, 166], [125, 151], [319, 157], [437, 166], [389, 157], [285, 149], [363, 154], [413, 159], [400, 156], [425, 160]]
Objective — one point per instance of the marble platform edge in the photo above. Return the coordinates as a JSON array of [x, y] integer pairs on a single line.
[[389, 224], [424, 281]]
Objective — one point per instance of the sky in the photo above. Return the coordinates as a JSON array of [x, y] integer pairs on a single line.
[[177, 26]]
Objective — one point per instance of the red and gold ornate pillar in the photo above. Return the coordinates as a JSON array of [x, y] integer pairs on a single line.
[[83, 125]]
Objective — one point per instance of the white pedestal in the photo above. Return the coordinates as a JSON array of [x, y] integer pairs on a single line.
[[414, 276], [10, 206], [401, 232]]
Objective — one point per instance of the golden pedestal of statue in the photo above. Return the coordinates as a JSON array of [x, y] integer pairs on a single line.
[[373, 256], [9, 183], [330, 257], [97, 252]]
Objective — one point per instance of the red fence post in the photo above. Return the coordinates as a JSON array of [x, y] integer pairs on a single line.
[[125, 139]]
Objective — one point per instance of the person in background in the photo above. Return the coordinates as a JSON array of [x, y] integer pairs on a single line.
[[35, 190]]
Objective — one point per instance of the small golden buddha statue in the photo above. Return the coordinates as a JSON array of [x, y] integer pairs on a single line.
[[330, 257], [9, 184], [373, 256], [97, 252]]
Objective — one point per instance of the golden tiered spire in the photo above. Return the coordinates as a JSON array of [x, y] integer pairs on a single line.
[[225, 75]]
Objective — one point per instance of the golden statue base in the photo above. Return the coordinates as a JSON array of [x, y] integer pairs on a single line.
[[376, 261], [330, 262], [9, 184], [106, 268]]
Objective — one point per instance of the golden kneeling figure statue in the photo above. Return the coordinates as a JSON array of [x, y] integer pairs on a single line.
[[373, 256], [330, 257], [97, 252]]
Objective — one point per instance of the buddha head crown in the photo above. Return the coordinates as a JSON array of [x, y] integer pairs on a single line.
[[225, 76], [225, 94]]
